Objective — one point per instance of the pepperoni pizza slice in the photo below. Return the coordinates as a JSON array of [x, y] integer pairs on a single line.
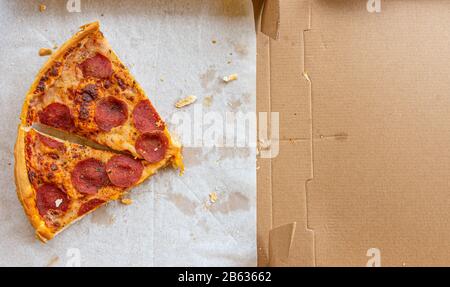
[[59, 182], [85, 89]]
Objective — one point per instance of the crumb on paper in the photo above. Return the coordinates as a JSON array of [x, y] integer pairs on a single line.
[[207, 101], [45, 52], [42, 7], [53, 261], [186, 101], [230, 78], [214, 41], [213, 197], [229, 62], [161, 79], [55, 47], [126, 201]]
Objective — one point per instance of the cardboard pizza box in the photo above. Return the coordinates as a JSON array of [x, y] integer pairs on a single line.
[[359, 172]]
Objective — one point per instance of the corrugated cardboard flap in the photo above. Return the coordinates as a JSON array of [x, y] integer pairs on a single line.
[[267, 16], [284, 238]]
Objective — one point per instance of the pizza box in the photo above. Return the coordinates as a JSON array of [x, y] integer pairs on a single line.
[[174, 220], [359, 167]]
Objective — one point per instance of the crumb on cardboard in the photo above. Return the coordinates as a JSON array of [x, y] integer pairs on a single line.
[[45, 52], [213, 197], [126, 201], [230, 78], [186, 101], [42, 7]]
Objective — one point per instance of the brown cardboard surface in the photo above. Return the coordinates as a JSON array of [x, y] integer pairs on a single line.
[[364, 107], [283, 237]]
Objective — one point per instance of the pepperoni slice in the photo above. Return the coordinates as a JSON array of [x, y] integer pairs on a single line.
[[89, 175], [145, 117], [110, 112], [51, 198], [51, 143], [88, 206], [97, 66], [124, 171], [58, 116], [152, 146]]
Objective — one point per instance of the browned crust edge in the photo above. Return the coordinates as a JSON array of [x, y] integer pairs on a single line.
[[84, 31], [25, 191]]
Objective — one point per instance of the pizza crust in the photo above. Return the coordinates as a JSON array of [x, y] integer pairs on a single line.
[[25, 191], [84, 31]]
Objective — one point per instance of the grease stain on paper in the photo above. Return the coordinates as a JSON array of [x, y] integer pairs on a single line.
[[240, 49], [209, 81], [208, 77], [184, 204], [101, 216], [234, 201], [192, 156], [233, 152], [235, 104]]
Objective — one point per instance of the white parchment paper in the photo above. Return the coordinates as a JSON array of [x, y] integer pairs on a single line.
[[174, 49]]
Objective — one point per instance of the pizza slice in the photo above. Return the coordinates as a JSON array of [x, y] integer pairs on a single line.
[[59, 182], [85, 89]]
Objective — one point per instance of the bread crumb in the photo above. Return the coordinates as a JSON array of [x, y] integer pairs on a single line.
[[45, 52], [214, 41], [42, 7], [53, 261], [126, 201], [230, 78], [213, 197], [186, 101]]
